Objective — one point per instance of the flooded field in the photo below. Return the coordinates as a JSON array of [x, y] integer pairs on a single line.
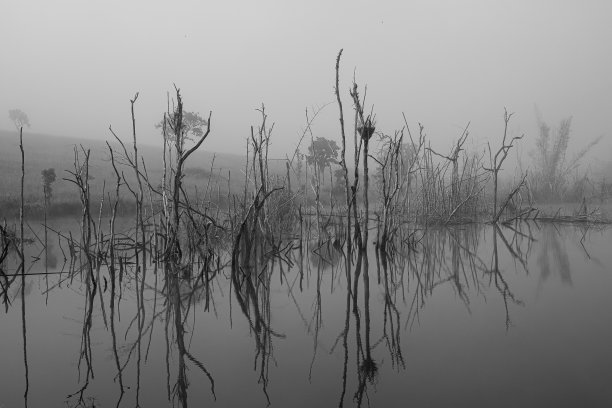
[[404, 204], [466, 316]]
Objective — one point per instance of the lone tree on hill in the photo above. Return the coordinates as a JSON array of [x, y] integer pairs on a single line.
[[192, 127], [19, 118]]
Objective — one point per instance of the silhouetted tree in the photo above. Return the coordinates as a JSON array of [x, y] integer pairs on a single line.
[[192, 127], [48, 178], [19, 118], [322, 153]]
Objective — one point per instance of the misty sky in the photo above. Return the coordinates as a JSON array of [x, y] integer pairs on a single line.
[[72, 66]]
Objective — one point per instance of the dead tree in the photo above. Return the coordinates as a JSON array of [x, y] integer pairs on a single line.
[[453, 158], [497, 161]]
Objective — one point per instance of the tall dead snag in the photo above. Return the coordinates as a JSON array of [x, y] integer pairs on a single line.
[[138, 193], [260, 142], [22, 269], [395, 168], [410, 162], [343, 155], [21, 213], [453, 158], [497, 161], [140, 196], [80, 178], [365, 127], [366, 130], [316, 180], [176, 125], [114, 204]]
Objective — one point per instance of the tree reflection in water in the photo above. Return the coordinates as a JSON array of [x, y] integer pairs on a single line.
[[553, 256], [380, 300]]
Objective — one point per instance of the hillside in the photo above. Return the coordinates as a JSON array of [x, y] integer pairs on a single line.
[[50, 151]]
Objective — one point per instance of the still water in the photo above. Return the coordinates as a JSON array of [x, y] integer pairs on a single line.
[[468, 317]]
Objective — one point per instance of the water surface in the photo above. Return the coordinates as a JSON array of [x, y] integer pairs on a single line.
[[470, 316]]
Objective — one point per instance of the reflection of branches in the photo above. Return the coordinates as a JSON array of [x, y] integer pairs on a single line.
[[175, 313], [7, 240], [367, 368], [178, 293], [85, 354], [498, 278], [431, 267], [113, 334], [445, 258], [347, 319], [317, 317], [251, 276], [140, 311], [23, 326], [391, 313], [512, 250], [462, 267], [522, 236], [252, 289], [323, 256], [551, 249]]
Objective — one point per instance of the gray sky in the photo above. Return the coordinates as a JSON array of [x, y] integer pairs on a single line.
[[72, 66]]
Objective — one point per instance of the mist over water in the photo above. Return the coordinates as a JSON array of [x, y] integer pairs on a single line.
[[469, 316], [283, 204], [73, 67]]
